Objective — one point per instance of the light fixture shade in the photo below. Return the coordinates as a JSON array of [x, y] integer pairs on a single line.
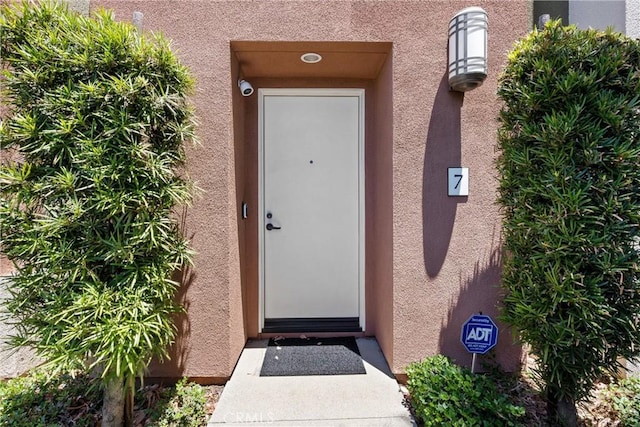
[[468, 49]]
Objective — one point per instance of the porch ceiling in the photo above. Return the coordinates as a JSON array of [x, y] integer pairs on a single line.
[[357, 60]]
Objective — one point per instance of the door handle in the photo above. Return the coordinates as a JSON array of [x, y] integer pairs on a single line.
[[272, 227]]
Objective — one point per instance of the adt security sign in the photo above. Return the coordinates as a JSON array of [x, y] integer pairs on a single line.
[[479, 334]]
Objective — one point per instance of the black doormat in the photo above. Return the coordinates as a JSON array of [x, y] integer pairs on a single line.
[[312, 356]]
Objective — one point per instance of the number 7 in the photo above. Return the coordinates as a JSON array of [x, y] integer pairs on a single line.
[[459, 176]]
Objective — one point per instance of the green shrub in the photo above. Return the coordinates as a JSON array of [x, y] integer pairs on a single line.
[[443, 393], [181, 406], [99, 117], [40, 400], [625, 399], [569, 190]]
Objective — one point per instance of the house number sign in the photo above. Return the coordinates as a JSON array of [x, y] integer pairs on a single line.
[[458, 182]]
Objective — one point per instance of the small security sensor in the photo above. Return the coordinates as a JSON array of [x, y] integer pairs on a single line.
[[245, 87]]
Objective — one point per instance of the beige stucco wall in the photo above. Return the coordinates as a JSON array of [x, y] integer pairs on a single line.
[[432, 261], [380, 201]]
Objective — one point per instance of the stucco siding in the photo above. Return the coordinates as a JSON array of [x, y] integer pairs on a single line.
[[444, 253], [633, 18], [432, 261], [599, 14]]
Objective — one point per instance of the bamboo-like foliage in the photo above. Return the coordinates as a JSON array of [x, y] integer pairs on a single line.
[[570, 193], [97, 119]]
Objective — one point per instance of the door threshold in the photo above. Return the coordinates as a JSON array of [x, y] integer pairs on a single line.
[[312, 324]]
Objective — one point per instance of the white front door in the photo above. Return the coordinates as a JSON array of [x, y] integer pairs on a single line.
[[311, 227]]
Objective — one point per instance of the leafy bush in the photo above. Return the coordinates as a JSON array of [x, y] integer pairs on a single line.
[[182, 406], [569, 190], [443, 393], [40, 400], [625, 399], [98, 116]]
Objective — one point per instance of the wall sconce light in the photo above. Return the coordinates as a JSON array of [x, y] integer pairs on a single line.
[[468, 49], [245, 87]]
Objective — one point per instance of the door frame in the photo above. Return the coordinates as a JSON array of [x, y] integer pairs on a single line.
[[359, 93]]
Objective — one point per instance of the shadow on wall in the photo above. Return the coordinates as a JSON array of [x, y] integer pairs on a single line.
[[479, 293], [179, 351], [443, 150]]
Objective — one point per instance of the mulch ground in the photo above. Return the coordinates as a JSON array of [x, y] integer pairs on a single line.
[[213, 395]]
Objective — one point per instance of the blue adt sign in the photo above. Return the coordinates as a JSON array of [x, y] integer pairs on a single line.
[[479, 334]]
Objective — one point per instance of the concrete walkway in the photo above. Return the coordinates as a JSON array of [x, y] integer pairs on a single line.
[[373, 399]]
